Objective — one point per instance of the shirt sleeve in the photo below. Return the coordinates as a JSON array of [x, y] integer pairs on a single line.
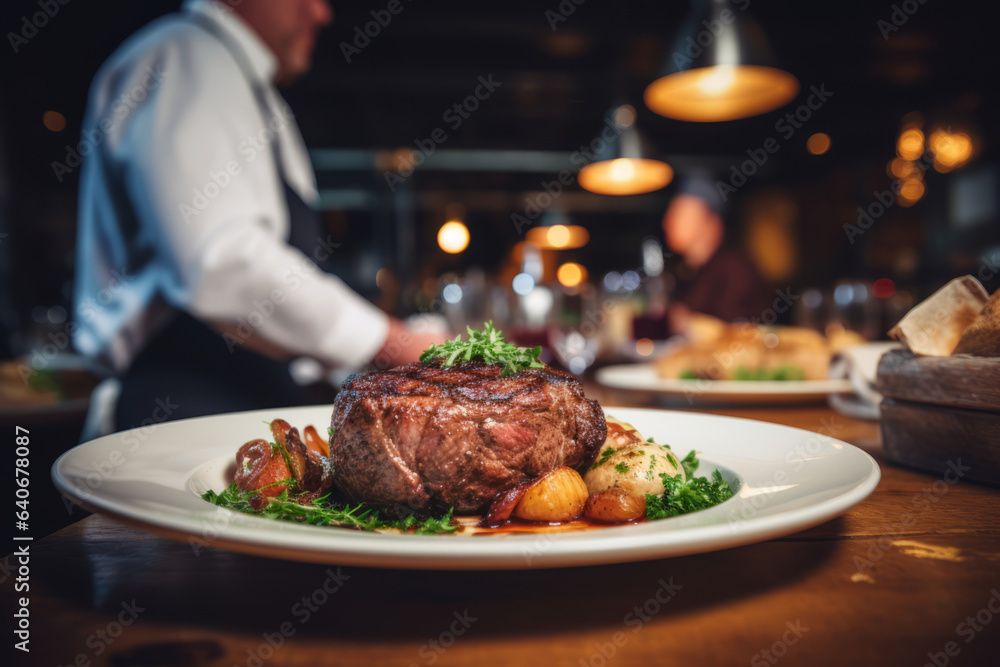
[[198, 167]]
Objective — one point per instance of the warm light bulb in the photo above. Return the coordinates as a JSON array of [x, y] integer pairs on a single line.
[[453, 237], [558, 236], [571, 274], [625, 176], [723, 92], [718, 80], [622, 169]]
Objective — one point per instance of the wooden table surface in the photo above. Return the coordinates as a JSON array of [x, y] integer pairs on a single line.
[[904, 578]]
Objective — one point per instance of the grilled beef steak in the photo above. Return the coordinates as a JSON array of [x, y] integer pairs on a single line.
[[422, 436]]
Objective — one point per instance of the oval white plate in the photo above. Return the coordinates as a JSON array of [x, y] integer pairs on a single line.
[[786, 479], [643, 377]]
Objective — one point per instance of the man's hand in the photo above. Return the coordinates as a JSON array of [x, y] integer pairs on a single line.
[[404, 344]]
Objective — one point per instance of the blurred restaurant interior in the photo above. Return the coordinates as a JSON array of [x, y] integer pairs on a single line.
[[452, 144], [624, 185]]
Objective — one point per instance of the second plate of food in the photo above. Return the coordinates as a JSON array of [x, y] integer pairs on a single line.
[[644, 377]]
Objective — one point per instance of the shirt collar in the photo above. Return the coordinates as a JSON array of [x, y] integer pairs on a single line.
[[260, 57]]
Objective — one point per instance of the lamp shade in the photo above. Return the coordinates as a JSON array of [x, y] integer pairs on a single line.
[[720, 68], [624, 165]]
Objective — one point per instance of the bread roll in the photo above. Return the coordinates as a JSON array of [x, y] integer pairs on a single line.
[[982, 338], [934, 327]]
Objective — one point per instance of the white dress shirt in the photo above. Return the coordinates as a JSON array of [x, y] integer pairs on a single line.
[[182, 207]]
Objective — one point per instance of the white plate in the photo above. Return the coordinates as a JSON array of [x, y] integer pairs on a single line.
[[643, 377], [786, 479]]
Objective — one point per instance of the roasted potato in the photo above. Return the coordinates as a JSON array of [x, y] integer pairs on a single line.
[[634, 468]]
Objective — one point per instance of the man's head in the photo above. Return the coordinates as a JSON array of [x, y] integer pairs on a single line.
[[693, 224], [692, 228], [288, 27]]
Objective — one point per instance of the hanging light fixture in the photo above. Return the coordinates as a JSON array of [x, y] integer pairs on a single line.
[[555, 231], [624, 167], [720, 68]]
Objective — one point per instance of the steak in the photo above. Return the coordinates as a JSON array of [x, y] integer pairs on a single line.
[[420, 436]]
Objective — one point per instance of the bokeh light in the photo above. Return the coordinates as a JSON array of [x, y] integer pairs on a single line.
[[453, 237], [644, 347], [54, 121], [951, 150], [558, 236], [883, 288], [911, 144], [818, 143], [571, 274]]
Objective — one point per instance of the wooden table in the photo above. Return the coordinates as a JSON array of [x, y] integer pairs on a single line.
[[892, 582]]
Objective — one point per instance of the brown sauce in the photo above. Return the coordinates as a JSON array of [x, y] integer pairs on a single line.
[[470, 526]]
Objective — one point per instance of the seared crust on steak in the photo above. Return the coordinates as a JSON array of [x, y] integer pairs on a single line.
[[421, 436]]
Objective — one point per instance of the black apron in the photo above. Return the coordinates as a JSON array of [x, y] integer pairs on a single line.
[[188, 369]]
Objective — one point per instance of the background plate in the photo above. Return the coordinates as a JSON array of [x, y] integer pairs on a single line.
[[643, 377]]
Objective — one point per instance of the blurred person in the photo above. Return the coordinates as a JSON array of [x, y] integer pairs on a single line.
[[195, 281], [715, 277]]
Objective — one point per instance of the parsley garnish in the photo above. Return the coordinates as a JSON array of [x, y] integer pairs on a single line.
[[488, 345], [605, 455], [682, 497], [690, 464], [621, 468], [690, 496], [322, 512]]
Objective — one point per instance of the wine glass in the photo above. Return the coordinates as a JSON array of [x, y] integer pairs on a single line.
[[575, 332]]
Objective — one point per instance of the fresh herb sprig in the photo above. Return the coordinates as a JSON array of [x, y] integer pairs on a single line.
[[689, 495], [690, 463], [487, 345], [605, 455], [322, 512]]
